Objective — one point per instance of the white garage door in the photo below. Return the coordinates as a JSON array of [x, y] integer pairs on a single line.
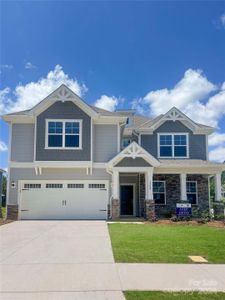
[[64, 200]]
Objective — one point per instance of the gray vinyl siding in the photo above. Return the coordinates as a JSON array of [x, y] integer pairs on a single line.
[[105, 142], [51, 174], [197, 142], [130, 162], [22, 142], [63, 110]]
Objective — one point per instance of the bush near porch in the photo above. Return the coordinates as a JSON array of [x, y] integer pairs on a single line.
[[154, 243]]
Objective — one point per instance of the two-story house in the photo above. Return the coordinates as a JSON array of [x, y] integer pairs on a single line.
[[70, 160]]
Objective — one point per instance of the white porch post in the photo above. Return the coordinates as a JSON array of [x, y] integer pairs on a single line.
[[148, 185], [183, 187], [218, 188], [115, 184]]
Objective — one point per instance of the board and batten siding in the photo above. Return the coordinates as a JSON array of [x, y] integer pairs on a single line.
[[22, 143], [105, 142], [51, 174], [197, 142]]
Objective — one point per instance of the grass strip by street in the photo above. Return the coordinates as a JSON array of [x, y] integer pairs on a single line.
[[135, 295], [152, 243]]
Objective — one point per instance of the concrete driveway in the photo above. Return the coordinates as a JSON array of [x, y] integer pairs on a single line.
[[57, 260]]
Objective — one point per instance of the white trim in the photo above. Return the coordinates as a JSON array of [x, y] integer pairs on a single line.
[[118, 138], [218, 187], [9, 159], [164, 183], [80, 121], [110, 120], [173, 145], [134, 198], [133, 150], [183, 187], [132, 169], [196, 184]]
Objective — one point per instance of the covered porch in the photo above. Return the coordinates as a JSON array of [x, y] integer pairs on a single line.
[[143, 187]]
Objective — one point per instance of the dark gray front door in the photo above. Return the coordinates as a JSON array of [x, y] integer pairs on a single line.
[[126, 200]]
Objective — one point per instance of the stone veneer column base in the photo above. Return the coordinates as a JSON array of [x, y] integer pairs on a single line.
[[12, 212], [115, 209], [150, 209]]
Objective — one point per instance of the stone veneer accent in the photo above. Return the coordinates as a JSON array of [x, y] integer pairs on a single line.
[[173, 193], [115, 209], [150, 209], [12, 212]]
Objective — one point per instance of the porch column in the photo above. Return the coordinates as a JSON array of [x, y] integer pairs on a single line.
[[149, 202], [183, 187], [115, 196], [218, 188]]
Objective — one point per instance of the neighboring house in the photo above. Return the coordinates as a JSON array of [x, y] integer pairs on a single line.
[[70, 160], [1, 182]]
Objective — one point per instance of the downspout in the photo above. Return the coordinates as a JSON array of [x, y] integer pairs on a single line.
[[111, 197]]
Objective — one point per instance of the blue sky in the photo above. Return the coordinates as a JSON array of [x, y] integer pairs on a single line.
[[147, 55]]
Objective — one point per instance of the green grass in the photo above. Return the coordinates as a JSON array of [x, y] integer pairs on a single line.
[[3, 212], [174, 295], [155, 243]]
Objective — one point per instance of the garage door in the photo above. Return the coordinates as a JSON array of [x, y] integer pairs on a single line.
[[64, 200]]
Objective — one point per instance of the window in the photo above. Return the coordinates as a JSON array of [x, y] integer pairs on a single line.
[[96, 186], [65, 134], [54, 185], [159, 192], [173, 145], [126, 142], [192, 195], [75, 185], [32, 185]]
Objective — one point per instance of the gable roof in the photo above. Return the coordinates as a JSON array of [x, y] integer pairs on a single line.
[[133, 150]]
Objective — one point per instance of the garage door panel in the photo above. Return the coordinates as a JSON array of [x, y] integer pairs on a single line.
[[74, 200]]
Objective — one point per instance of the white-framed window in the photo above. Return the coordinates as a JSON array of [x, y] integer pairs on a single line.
[[172, 145], [126, 142], [96, 186], [54, 185], [75, 185], [63, 134], [159, 192], [192, 192], [32, 185]]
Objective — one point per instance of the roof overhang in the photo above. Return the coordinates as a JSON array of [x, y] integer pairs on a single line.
[[133, 151], [175, 114]]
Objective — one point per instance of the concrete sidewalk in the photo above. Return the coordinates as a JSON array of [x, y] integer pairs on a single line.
[[171, 277]]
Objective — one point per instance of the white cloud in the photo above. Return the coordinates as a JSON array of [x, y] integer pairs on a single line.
[[216, 139], [28, 95], [222, 19], [217, 154], [29, 65], [6, 66], [107, 103], [3, 146], [189, 95]]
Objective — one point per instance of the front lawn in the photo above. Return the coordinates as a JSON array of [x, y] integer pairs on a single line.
[[174, 295], [153, 243]]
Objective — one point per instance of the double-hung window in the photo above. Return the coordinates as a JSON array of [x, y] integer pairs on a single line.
[[159, 192], [64, 134], [173, 145], [192, 194]]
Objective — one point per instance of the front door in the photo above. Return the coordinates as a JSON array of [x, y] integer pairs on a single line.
[[126, 200]]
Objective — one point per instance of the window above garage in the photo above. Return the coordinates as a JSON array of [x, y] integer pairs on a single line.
[[63, 134]]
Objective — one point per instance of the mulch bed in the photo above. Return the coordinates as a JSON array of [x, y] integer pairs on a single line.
[[3, 222], [219, 224]]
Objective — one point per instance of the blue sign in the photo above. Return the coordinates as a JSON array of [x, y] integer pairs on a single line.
[[183, 210]]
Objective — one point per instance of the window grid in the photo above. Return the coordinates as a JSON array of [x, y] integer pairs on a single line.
[[54, 185], [157, 189], [69, 128], [191, 190], [32, 185], [96, 186], [172, 141], [75, 185]]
